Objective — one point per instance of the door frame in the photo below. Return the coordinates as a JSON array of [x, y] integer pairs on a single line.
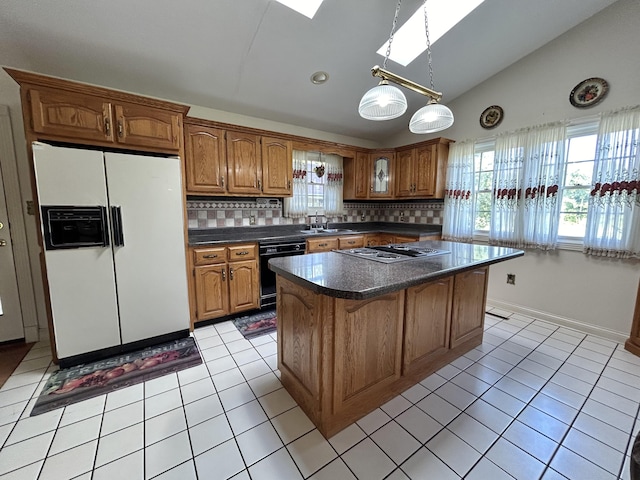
[[16, 217]]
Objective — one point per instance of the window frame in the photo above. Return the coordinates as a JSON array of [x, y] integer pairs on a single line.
[[577, 128]]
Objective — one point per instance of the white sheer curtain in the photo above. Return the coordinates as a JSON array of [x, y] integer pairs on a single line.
[[333, 195], [458, 212], [296, 205], [613, 219], [529, 168]]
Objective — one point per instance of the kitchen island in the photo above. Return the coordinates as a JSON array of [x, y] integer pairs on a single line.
[[353, 333]]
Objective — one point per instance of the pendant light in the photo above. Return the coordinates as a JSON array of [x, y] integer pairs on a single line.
[[384, 102], [433, 117]]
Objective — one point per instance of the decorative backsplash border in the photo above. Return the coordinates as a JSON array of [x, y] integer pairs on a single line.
[[216, 213]]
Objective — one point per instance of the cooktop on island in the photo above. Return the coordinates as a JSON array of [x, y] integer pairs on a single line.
[[393, 253]]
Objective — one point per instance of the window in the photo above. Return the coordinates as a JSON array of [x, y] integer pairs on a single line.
[[483, 181], [581, 151], [317, 185]]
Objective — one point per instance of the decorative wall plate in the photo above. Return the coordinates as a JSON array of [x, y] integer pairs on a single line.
[[589, 92], [491, 117]]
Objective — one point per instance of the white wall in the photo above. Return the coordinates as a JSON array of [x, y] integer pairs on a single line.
[[566, 286]]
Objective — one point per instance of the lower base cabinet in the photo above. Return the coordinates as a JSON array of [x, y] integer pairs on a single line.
[[227, 280]]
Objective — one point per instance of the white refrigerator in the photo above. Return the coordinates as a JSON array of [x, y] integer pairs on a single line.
[[134, 288]]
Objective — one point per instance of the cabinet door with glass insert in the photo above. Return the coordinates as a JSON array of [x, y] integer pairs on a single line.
[[382, 175]]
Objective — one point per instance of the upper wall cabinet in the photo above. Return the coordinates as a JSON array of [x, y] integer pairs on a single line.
[[421, 170], [70, 112], [277, 167], [206, 157], [381, 174], [369, 175], [229, 162], [416, 171], [244, 163]]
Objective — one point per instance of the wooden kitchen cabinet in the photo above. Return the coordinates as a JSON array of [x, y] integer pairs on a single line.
[[368, 349], [227, 280], [381, 171], [206, 159], [244, 163], [369, 175], [469, 299], [633, 342], [321, 244], [421, 171], [427, 323], [73, 116], [228, 162], [361, 175], [350, 241], [277, 166], [404, 239]]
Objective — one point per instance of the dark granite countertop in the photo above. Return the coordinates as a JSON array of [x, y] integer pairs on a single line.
[[253, 234], [344, 276]]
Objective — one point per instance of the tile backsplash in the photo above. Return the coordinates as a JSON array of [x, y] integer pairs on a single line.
[[243, 212]]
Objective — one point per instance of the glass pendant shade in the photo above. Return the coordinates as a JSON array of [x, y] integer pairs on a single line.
[[431, 118], [383, 102]]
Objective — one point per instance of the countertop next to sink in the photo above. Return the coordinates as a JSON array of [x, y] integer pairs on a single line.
[[343, 276], [252, 234]]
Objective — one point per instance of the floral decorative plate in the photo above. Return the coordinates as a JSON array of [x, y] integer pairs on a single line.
[[589, 92], [491, 117]]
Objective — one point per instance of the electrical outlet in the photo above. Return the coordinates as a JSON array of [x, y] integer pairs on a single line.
[[252, 220], [511, 278], [362, 217]]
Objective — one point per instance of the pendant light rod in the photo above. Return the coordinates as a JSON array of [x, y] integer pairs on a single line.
[[377, 71]]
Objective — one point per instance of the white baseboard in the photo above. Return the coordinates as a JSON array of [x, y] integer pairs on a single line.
[[565, 322]]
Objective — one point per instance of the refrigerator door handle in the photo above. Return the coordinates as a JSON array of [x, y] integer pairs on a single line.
[[105, 227], [116, 220]]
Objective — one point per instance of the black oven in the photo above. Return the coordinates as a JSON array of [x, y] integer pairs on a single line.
[[74, 227], [272, 249]]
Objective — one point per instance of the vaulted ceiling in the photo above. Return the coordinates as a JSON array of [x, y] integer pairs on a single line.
[[255, 57]]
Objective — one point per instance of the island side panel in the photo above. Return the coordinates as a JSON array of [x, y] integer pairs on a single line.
[[368, 353], [427, 324], [302, 315], [469, 301]]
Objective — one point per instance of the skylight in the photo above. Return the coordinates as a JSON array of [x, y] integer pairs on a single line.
[[410, 40], [308, 8]]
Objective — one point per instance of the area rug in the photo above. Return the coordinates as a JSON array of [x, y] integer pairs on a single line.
[[251, 326], [71, 385]]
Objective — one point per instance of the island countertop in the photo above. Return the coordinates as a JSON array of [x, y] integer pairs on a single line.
[[344, 276]]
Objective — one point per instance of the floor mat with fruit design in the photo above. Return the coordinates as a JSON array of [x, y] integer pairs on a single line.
[[257, 324], [71, 385]]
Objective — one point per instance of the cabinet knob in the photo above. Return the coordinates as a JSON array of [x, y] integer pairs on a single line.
[[224, 275], [323, 244], [230, 273], [244, 252], [260, 185], [222, 181], [107, 127], [210, 256], [289, 185], [120, 128]]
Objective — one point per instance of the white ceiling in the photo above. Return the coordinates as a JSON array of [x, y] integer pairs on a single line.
[[255, 57]]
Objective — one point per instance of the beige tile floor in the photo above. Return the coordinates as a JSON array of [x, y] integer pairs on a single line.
[[535, 400]]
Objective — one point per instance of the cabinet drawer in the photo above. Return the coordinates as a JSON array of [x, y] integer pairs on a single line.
[[351, 241], [322, 244], [242, 252], [209, 256]]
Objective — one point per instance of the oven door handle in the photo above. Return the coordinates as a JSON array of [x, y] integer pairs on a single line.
[[282, 254]]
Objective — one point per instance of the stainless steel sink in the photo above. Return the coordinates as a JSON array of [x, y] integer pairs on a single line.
[[313, 231]]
